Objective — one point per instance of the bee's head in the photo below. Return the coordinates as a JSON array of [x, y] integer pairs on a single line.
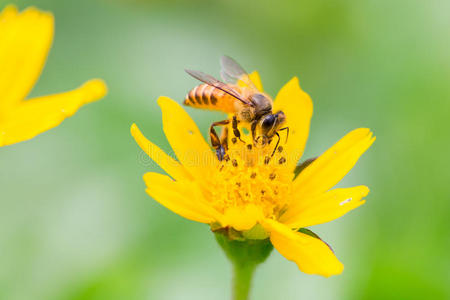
[[266, 127]]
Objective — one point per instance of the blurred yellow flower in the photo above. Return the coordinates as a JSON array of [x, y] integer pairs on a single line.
[[25, 39], [251, 195]]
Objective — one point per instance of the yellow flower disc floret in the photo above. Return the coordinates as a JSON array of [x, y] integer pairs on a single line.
[[251, 181]]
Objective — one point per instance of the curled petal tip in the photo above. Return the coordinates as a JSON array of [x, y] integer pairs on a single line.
[[95, 89], [10, 9], [364, 190], [163, 100], [31, 12], [134, 129], [137, 135]]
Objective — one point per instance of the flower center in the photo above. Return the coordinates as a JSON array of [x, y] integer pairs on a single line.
[[252, 177]]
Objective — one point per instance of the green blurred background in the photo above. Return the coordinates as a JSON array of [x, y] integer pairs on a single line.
[[75, 222]]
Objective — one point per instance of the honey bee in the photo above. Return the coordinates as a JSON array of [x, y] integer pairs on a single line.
[[249, 107]]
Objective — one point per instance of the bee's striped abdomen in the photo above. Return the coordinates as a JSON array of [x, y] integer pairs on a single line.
[[208, 97]]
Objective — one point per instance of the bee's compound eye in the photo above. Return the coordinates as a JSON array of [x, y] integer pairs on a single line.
[[268, 122]]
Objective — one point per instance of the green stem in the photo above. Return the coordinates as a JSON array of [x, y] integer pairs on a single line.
[[245, 256], [242, 280]]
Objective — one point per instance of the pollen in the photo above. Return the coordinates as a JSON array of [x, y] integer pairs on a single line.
[[252, 177]]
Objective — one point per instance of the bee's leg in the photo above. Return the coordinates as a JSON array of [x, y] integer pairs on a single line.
[[215, 141], [287, 132], [236, 131], [253, 128], [224, 138], [276, 146]]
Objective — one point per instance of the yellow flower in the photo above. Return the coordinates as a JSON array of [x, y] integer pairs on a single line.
[[251, 195], [25, 39]]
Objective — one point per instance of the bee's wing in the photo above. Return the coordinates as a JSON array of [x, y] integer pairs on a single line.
[[210, 80], [232, 72]]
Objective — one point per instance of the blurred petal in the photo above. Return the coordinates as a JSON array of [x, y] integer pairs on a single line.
[[187, 142], [329, 168], [25, 39], [311, 255], [178, 198], [37, 115], [298, 108], [324, 207], [167, 163], [255, 79]]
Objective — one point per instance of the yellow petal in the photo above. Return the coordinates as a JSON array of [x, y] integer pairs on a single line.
[[298, 108], [329, 168], [187, 142], [37, 115], [324, 207], [178, 198], [25, 39], [254, 77], [7, 14], [311, 255], [167, 163], [242, 218]]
